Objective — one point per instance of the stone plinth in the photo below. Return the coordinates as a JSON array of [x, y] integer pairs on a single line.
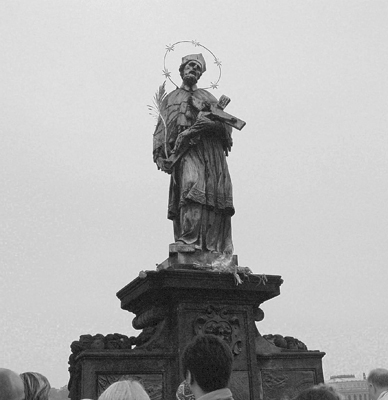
[[194, 302], [171, 307]]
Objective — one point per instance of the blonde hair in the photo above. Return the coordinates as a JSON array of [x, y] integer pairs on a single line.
[[125, 390], [36, 386]]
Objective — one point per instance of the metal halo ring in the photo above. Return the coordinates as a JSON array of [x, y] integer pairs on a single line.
[[167, 73]]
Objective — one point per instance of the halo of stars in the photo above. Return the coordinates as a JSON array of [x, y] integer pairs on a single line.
[[171, 47]]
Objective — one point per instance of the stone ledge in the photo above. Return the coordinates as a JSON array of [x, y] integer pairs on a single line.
[[156, 287]]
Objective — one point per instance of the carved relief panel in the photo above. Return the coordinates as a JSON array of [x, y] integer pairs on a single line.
[[285, 384], [229, 322]]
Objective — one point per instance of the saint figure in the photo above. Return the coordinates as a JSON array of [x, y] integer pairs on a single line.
[[200, 197]]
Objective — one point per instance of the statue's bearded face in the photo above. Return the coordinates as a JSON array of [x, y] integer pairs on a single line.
[[191, 73]]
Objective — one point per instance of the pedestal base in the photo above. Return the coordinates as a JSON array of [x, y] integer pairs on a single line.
[[173, 306]]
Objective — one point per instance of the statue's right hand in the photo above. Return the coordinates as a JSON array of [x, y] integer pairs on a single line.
[[167, 167], [164, 165], [160, 163]]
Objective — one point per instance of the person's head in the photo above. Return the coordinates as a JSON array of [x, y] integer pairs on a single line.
[[207, 362], [377, 382], [191, 68], [319, 392], [125, 390], [11, 385], [36, 386]]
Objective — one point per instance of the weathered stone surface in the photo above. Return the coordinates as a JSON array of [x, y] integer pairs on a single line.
[[286, 374], [98, 369], [191, 142], [286, 342], [173, 306], [168, 286]]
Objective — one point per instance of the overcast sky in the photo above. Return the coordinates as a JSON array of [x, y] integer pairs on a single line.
[[83, 207]]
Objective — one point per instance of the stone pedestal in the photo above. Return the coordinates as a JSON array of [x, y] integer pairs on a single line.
[[173, 306]]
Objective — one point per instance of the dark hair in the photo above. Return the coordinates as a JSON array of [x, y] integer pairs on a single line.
[[209, 360], [379, 377], [319, 392]]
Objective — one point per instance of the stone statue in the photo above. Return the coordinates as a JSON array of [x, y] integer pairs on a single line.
[[192, 146]]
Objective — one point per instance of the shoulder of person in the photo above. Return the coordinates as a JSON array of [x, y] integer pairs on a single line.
[[177, 96], [204, 95]]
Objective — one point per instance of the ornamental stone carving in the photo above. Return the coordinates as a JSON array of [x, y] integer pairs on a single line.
[[285, 384], [222, 323]]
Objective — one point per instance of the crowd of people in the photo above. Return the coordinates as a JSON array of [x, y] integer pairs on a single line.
[[206, 366]]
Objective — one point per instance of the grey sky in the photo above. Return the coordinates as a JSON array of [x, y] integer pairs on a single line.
[[83, 208]]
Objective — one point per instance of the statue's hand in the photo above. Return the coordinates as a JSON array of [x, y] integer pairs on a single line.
[[164, 165], [204, 123], [167, 167], [160, 162]]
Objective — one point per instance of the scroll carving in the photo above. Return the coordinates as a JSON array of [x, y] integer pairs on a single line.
[[149, 318]]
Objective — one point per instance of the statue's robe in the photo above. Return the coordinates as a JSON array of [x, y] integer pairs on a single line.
[[200, 199]]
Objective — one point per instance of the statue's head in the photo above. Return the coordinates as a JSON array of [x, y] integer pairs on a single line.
[[191, 68]]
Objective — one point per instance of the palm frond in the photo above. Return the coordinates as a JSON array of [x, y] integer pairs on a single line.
[[156, 109]]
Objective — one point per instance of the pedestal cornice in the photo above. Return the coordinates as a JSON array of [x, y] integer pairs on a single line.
[[159, 286]]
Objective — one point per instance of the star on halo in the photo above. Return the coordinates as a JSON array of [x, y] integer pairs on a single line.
[[166, 73], [195, 43], [217, 61], [170, 47], [213, 85]]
